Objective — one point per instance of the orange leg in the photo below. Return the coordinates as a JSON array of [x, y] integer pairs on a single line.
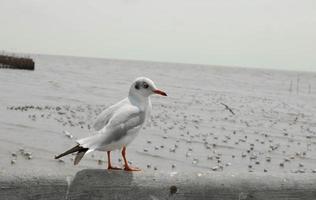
[[127, 167], [109, 162]]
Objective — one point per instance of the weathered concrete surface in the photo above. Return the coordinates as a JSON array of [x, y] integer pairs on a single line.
[[101, 184], [17, 188]]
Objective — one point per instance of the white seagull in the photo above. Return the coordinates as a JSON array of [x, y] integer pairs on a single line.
[[119, 124]]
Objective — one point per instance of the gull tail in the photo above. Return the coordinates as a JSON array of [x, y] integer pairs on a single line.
[[80, 153]]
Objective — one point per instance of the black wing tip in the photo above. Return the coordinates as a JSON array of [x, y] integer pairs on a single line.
[[72, 150]]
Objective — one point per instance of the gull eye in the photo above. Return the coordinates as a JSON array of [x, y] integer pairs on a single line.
[[145, 85]]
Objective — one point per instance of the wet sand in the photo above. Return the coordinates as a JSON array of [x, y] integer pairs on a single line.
[[226, 120]]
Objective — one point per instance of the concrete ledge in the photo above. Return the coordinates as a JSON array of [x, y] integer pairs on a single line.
[[102, 184], [15, 188]]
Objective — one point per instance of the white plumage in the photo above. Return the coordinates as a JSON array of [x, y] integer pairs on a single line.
[[120, 123], [117, 126]]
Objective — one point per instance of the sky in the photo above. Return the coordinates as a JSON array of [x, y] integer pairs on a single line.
[[277, 34]]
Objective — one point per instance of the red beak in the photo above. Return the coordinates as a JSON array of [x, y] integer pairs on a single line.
[[160, 92]]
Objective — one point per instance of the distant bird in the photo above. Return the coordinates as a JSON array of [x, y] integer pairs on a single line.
[[119, 124]]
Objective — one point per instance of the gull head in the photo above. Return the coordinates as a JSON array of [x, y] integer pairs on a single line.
[[144, 87]]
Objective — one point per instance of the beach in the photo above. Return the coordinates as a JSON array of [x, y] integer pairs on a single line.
[[215, 119]]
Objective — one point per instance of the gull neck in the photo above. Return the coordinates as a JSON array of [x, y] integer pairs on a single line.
[[138, 100]]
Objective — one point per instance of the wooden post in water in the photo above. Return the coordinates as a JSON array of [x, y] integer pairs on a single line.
[[309, 88], [15, 62], [297, 84], [291, 87]]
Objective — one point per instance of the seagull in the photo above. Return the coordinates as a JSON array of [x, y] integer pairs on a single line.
[[119, 124]]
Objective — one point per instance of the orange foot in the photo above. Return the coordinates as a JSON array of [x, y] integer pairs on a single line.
[[130, 169], [114, 168]]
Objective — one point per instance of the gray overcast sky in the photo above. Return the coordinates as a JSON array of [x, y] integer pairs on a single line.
[[278, 34]]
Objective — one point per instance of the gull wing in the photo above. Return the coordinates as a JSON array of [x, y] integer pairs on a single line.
[[104, 117], [124, 119]]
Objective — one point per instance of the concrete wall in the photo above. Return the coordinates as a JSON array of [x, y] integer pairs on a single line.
[[17, 188], [102, 184]]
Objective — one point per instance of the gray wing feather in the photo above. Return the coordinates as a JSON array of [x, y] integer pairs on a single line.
[[103, 118], [118, 131], [124, 119]]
